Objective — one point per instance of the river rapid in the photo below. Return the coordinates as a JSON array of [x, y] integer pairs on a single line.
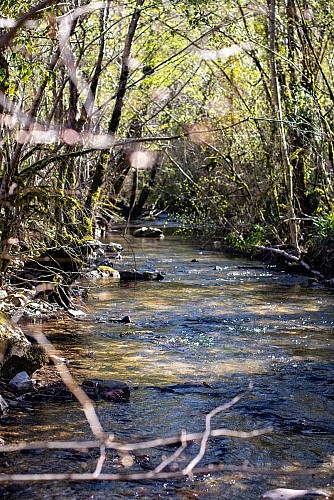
[[198, 338]]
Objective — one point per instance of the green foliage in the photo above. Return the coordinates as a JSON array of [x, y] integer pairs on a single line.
[[200, 87], [256, 236], [199, 205], [234, 243], [245, 244], [324, 226]]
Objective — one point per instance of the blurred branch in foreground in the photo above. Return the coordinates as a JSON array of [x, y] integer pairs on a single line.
[[104, 442]]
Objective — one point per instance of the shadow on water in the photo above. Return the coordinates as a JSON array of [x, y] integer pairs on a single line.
[[196, 340]]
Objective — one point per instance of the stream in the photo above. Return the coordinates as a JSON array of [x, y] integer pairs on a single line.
[[198, 338]]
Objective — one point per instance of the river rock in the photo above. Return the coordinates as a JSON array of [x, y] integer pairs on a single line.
[[109, 390], [288, 494], [135, 275], [108, 272], [103, 272], [21, 383], [148, 232], [18, 300], [17, 354], [114, 247], [3, 407], [125, 319], [76, 313], [98, 250]]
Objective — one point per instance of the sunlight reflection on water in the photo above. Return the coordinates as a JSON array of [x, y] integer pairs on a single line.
[[196, 339]]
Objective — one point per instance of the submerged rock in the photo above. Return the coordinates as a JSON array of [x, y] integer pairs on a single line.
[[125, 319], [97, 390], [55, 391], [109, 390]]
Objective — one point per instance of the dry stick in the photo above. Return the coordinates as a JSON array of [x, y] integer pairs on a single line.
[[122, 448], [84, 400], [100, 461], [109, 443], [27, 478], [126, 447], [173, 457], [201, 453]]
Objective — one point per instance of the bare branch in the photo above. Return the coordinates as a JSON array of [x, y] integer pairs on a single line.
[[207, 433], [26, 478], [124, 447], [7, 37], [291, 258], [176, 454], [73, 386], [100, 461]]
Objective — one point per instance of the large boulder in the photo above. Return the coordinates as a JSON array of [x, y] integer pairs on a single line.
[[17, 354]]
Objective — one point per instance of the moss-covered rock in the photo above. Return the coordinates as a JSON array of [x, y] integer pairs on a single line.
[[17, 354], [108, 272]]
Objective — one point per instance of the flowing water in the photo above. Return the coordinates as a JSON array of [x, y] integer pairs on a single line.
[[197, 339]]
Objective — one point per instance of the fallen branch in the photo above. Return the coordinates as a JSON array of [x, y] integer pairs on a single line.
[[126, 447], [291, 258], [138, 476]]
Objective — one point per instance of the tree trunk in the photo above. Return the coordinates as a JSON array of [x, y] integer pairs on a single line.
[[105, 157], [146, 190], [288, 168]]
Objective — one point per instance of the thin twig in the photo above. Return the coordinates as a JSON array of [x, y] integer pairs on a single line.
[[174, 456], [138, 476], [100, 461], [187, 470]]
